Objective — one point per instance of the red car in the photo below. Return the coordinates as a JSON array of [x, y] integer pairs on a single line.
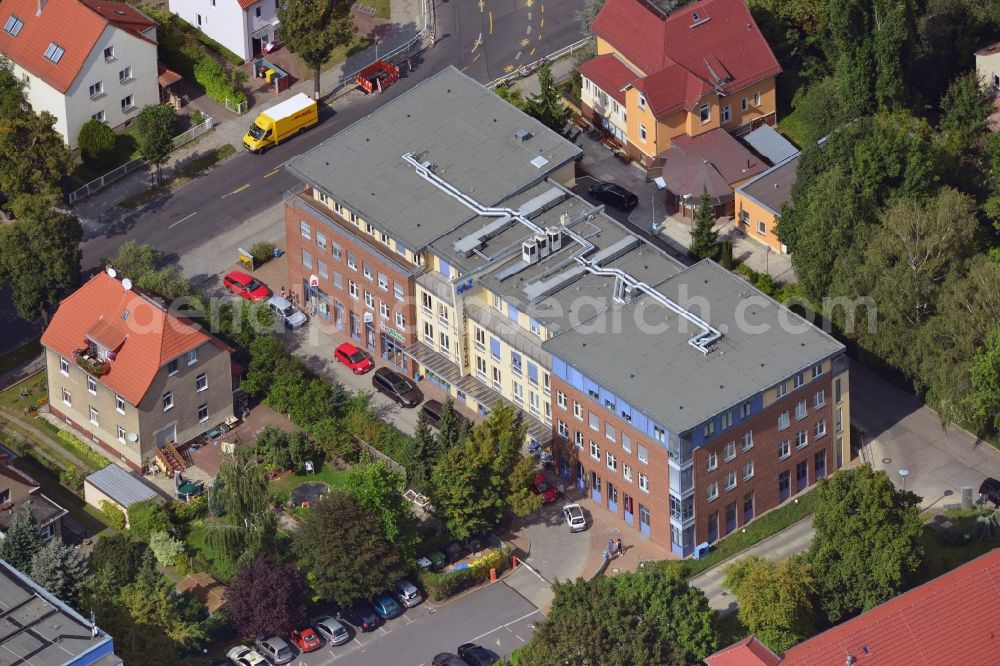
[[353, 358], [542, 487], [246, 286], [306, 639]]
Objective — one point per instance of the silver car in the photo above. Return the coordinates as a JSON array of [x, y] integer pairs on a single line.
[[333, 631], [285, 312], [241, 655], [407, 593], [276, 649], [574, 518]]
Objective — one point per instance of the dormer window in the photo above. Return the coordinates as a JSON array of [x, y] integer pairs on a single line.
[[695, 17], [13, 26], [54, 53]]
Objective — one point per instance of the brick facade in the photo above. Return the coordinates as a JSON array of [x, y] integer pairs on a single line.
[[342, 313]]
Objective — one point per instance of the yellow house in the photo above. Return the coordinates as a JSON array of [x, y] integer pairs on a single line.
[[759, 202], [706, 66]]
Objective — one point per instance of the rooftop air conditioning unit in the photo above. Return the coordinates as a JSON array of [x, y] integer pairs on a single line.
[[542, 241], [555, 238], [529, 251]]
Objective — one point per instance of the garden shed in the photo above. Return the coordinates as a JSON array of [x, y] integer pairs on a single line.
[[118, 486]]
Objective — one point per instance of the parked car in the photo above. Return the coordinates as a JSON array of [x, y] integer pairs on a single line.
[[407, 593], [574, 518], [246, 286], [333, 631], [355, 359], [397, 388], [448, 659], [287, 313], [477, 655], [989, 491], [361, 615], [386, 606], [306, 639], [276, 649], [241, 655], [432, 410], [542, 487], [614, 195]]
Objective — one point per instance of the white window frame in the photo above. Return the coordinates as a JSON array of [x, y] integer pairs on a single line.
[[748, 470], [95, 416], [727, 113], [712, 461], [642, 133], [747, 440], [595, 451], [63, 366], [611, 461], [705, 113], [91, 385], [819, 399], [784, 449], [627, 471], [201, 383], [202, 408], [729, 452], [643, 483], [783, 420], [729, 482], [801, 439], [167, 401], [819, 430], [67, 397], [712, 491], [119, 404]]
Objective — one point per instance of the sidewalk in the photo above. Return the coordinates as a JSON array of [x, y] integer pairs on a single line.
[[407, 21]]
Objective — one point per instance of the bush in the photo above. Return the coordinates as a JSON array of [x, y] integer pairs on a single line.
[[218, 84], [115, 516], [81, 450], [193, 509], [441, 586], [263, 252], [97, 143], [71, 478], [147, 517], [167, 550], [726, 260]]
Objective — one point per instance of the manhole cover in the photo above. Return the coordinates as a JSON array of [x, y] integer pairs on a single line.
[[886, 461]]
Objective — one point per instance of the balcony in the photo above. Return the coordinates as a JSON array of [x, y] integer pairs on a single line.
[[92, 365]]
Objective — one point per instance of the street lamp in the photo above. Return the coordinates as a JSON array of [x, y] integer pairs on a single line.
[[767, 261], [903, 473]]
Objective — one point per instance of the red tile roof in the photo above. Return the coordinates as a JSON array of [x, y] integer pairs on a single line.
[[73, 25], [246, 3], [610, 74], [946, 621], [989, 50], [166, 77], [150, 335], [748, 652], [722, 49]]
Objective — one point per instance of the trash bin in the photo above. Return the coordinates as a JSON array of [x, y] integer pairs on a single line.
[[701, 550]]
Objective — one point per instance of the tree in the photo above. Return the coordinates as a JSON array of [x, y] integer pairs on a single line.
[[775, 599], [448, 430], [819, 106], [134, 260], [588, 12], [380, 489], [985, 371], [512, 95], [216, 494], [34, 158], [965, 108], [332, 439], [166, 549], [704, 238], [116, 559], [867, 545], [424, 452], [266, 597], [267, 356], [312, 29], [97, 143], [547, 105], [146, 517], [22, 540], [156, 135], [341, 549], [60, 569], [272, 447], [39, 255], [251, 527], [301, 449], [168, 282]]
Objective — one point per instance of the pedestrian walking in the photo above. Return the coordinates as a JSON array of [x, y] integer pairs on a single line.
[[611, 548], [282, 291], [621, 548]]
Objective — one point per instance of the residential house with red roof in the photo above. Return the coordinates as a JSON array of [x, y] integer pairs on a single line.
[[946, 621], [20, 492], [696, 75], [81, 59], [131, 376], [242, 26]]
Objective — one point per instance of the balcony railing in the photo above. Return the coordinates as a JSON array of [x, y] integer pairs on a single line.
[[93, 366]]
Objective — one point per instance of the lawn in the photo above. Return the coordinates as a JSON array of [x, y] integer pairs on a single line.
[[941, 557], [20, 356], [34, 386], [794, 129], [338, 55], [217, 566], [381, 7], [88, 516], [328, 474]]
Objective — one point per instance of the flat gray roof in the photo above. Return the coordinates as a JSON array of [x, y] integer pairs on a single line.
[[454, 123], [37, 629], [121, 486], [773, 146], [773, 188], [658, 372]]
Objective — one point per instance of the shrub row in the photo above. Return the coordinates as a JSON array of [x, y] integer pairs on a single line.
[[115, 516], [219, 84], [69, 476], [83, 451], [441, 586]]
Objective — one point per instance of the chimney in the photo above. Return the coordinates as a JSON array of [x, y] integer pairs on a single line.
[[850, 660], [41, 4]]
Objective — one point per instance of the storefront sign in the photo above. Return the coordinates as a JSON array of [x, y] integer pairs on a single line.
[[313, 281], [369, 317], [392, 333]]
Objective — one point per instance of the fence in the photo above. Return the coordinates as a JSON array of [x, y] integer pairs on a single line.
[[99, 184], [239, 108], [532, 67]]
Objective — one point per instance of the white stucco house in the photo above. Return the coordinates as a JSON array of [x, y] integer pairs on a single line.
[[81, 59], [242, 26], [988, 65]]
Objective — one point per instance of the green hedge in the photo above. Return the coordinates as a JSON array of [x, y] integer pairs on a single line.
[[115, 516], [440, 586], [83, 451], [218, 84]]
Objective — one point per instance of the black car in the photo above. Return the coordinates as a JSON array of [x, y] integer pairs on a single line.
[[610, 194], [477, 655], [433, 409], [989, 491], [361, 615], [448, 659], [397, 387]]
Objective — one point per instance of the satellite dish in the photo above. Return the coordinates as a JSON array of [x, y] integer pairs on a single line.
[[112, 272], [132, 437], [127, 284]]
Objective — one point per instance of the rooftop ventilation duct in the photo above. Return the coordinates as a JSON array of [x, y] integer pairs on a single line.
[[542, 241], [522, 135]]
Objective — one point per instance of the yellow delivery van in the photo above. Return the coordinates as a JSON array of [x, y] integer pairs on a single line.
[[281, 122]]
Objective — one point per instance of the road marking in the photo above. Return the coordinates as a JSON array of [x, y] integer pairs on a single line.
[[482, 6], [476, 44], [472, 62], [268, 175], [186, 217], [529, 16], [532, 52], [491, 23], [237, 190], [504, 626], [542, 7], [528, 31], [525, 42], [517, 55], [542, 24], [539, 36]]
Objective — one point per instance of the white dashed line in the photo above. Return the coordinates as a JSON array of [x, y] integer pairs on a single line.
[[187, 217], [529, 30], [517, 55]]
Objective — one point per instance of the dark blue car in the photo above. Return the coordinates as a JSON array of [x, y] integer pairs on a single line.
[[361, 615], [386, 606]]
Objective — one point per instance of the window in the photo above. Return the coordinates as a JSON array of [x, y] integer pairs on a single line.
[[595, 422], [729, 452], [819, 429], [726, 113], [172, 367], [783, 421], [748, 470], [577, 410], [397, 291], [383, 309], [427, 303], [428, 333], [121, 434], [609, 431], [168, 401], [800, 379], [128, 103], [201, 382], [444, 343], [756, 99], [338, 280], [709, 429], [745, 104], [730, 480], [643, 483], [324, 270], [819, 399], [761, 228], [383, 282], [307, 260], [536, 328], [400, 321], [712, 461], [705, 113], [63, 366], [532, 373], [782, 390], [202, 413], [91, 385], [497, 302], [561, 399], [320, 240], [727, 420], [659, 434], [626, 443], [258, 12], [643, 454], [67, 397], [745, 410], [480, 339], [801, 409], [612, 461], [836, 391], [96, 89], [99, 116], [817, 370], [481, 367], [642, 132], [352, 288], [595, 450], [642, 101], [713, 490], [119, 404], [13, 26], [745, 217], [497, 380], [352, 261], [125, 75], [494, 348], [366, 270], [336, 251], [748, 440], [192, 357], [578, 440], [627, 472], [369, 299], [305, 229], [784, 450], [563, 429], [109, 54], [95, 417], [54, 53], [801, 439], [443, 314]]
